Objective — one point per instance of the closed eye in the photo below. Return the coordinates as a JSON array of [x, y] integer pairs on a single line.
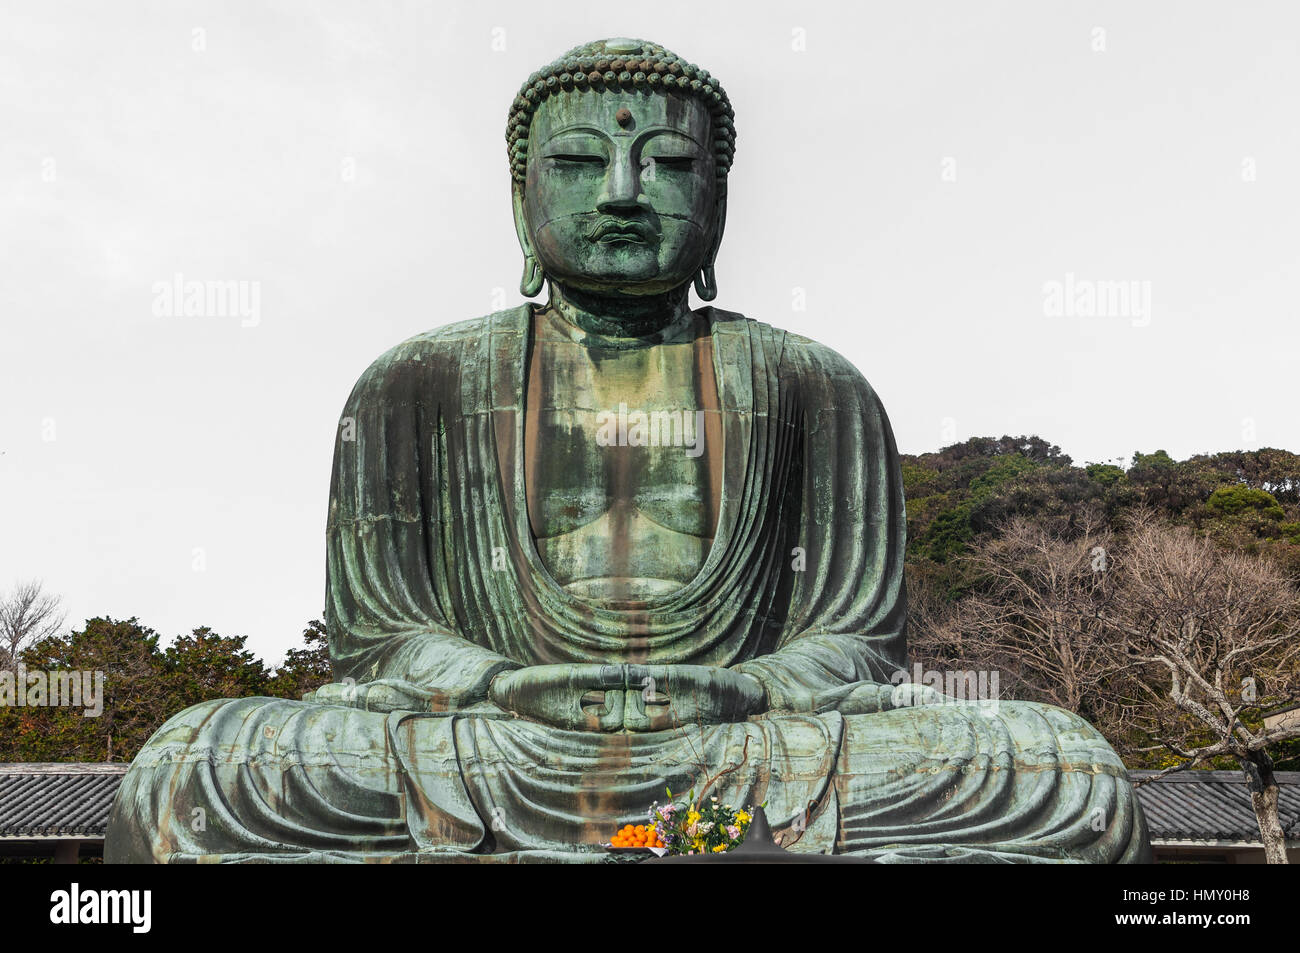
[[673, 162], [573, 157]]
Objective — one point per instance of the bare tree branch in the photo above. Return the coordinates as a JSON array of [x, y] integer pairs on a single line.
[[27, 615]]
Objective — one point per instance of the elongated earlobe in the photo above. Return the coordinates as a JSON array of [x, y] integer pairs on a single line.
[[706, 284], [533, 278]]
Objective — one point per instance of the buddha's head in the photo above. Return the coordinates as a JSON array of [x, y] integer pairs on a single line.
[[619, 152]]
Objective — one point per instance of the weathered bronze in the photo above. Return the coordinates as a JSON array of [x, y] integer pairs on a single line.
[[582, 552]]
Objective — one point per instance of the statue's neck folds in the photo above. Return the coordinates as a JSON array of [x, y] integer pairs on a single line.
[[622, 320]]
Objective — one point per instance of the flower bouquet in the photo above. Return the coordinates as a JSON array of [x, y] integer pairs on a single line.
[[707, 827]]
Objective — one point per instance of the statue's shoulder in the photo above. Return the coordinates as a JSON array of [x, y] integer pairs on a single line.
[[406, 366], [454, 338], [814, 365]]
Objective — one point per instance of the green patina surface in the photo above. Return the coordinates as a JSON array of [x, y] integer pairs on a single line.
[[585, 551]]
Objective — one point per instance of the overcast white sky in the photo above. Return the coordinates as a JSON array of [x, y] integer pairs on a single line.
[[914, 176]]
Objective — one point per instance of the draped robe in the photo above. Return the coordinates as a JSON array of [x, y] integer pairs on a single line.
[[435, 586]]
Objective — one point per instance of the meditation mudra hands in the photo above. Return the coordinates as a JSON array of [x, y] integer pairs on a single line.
[[618, 697]]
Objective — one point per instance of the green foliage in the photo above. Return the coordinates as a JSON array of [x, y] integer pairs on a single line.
[[135, 686], [917, 479], [1269, 469], [304, 670], [1247, 501], [965, 491], [204, 665], [1152, 461], [1233, 500], [1107, 474], [1179, 488], [144, 685], [1246, 518]]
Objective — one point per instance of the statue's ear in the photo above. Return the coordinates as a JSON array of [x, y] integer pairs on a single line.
[[521, 223], [533, 279], [706, 282], [719, 226]]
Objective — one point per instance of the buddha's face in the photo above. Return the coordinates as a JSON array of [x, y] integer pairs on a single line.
[[620, 193]]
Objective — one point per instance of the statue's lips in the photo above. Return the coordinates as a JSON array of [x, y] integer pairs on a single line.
[[611, 230]]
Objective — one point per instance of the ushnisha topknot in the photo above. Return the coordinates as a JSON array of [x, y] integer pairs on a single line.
[[622, 65]]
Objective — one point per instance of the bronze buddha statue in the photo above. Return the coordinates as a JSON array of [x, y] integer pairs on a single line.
[[584, 551]]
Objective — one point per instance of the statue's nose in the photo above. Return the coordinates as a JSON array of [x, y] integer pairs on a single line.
[[622, 193]]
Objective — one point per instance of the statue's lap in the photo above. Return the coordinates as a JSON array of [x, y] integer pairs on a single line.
[[279, 779]]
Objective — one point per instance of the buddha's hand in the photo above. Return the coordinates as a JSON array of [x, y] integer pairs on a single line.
[[380, 695], [565, 696], [593, 697], [662, 697]]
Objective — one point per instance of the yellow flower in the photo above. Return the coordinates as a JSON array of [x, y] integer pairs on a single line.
[[743, 818], [692, 817], [720, 848]]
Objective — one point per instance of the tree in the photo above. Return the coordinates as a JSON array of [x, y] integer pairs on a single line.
[[204, 665], [144, 685], [27, 615], [1166, 641], [306, 669], [1212, 641], [1030, 614], [135, 702]]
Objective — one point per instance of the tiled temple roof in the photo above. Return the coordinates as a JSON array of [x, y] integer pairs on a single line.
[[1212, 805], [53, 800]]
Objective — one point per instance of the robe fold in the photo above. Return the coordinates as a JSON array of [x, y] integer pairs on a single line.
[[435, 586]]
